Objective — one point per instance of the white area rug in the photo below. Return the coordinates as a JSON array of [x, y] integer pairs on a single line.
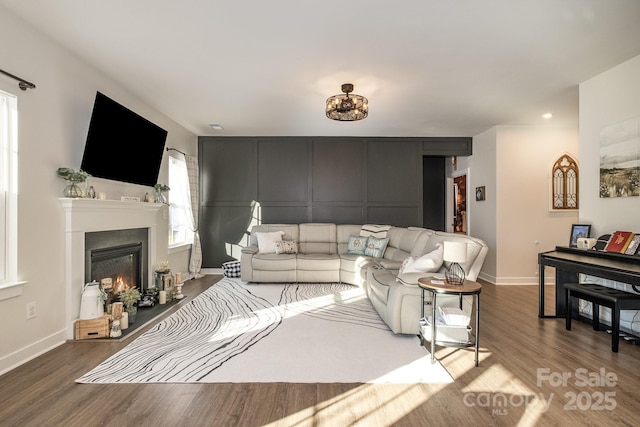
[[295, 333]]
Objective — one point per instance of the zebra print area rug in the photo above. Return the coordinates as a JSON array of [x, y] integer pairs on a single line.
[[296, 333]]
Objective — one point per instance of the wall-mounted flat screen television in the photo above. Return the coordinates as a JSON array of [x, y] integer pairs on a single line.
[[122, 145]]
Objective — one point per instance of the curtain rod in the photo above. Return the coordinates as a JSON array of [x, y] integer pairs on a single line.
[[22, 83], [175, 149]]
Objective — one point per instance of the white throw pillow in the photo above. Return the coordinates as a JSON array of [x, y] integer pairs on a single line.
[[407, 262], [267, 241], [428, 263]]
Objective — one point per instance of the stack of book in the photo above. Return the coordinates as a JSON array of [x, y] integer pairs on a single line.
[[623, 242]]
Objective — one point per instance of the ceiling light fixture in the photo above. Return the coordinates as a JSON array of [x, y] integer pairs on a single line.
[[347, 108], [216, 126], [547, 116]]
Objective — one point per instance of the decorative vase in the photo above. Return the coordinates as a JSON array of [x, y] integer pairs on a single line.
[[73, 190], [160, 197]]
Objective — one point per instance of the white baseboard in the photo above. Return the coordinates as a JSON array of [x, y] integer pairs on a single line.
[[22, 356], [510, 280]]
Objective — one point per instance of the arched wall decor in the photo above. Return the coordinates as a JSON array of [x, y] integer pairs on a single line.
[[565, 176]]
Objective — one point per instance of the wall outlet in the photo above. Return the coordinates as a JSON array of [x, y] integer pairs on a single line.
[[31, 310]]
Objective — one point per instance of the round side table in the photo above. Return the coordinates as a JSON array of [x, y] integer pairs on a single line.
[[441, 287]]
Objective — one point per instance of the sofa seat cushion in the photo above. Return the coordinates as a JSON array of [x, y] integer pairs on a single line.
[[274, 262], [318, 262]]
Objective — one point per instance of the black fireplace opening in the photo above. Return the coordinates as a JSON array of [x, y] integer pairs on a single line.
[[121, 264], [119, 257]]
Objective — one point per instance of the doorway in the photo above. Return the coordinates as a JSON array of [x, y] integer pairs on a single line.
[[460, 196], [434, 186]]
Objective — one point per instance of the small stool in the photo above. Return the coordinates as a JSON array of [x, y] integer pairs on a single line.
[[599, 295]]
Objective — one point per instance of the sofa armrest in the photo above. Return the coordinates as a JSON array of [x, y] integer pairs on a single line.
[[250, 250], [411, 279], [390, 265]]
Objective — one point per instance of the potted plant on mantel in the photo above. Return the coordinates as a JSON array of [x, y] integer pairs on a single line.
[[74, 177], [161, 189], [129, 298]]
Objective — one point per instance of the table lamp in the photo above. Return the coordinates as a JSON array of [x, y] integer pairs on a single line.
[[454, 253]]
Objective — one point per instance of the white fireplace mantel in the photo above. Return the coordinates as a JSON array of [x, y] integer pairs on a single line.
[[89, 215]]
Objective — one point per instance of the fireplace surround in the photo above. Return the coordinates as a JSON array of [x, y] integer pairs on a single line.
[[89, 216]]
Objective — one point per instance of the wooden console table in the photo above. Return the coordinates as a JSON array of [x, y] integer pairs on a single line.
[[570, 262]]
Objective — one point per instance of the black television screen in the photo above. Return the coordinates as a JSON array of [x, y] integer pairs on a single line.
[[122, 145]]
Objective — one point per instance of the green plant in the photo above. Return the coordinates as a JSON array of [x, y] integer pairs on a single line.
[[161, 187], [72, 175], [163, 267], [128, 298]]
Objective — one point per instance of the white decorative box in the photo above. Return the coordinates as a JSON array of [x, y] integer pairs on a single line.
[[444, 332]]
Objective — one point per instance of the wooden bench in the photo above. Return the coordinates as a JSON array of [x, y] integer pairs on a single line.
[[599, 295]]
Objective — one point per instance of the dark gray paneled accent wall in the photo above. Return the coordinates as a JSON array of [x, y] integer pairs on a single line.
[[345, 180]]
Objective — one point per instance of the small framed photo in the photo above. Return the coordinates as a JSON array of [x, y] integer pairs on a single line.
[[578, 231], [480, 193]]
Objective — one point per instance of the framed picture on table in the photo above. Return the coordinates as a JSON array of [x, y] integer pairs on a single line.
[[578, 231]]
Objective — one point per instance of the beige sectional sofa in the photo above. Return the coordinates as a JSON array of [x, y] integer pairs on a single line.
[[327, 252]]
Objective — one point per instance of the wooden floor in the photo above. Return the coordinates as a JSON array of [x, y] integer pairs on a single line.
[[532, 372]]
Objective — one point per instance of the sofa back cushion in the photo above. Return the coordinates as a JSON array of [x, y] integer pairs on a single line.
[[406, 242], [318, 238]]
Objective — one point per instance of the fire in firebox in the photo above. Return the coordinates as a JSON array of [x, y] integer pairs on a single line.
[[121, 285]]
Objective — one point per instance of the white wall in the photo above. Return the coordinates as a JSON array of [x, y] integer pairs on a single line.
[[514, 164], [53, 123], [482, 215], [609, 98], [526, 225]]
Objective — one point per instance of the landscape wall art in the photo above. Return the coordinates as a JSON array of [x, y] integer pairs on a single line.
[[620, 159]]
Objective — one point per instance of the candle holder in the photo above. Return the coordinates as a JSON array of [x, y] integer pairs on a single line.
[[179, 291], [178, 286]]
